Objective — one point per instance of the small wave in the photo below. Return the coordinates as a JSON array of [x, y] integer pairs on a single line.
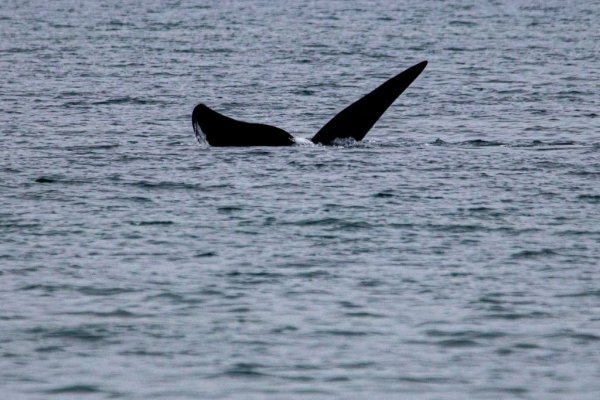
[[304, 92], [119, 313], [76, 104], [283, 329], [136, 199], [229, 209], [463, 23], [106, 146], [537, 144], [95, 291], [585, 173], [45, 179], [590, 198], [338, 223], [17, 50], [89, 333], [512, 316], [585, 337], [585, 293], [145, 353], [456, 228], [515, 392], [472, 143], [10, 170], [313, 274], [164, 185], [319, 221], [116, 22], [12, 317], [577, 232], [457, 343], [482, 143], [438, 142], [526, 346], [384, 194], [244, 369], [174, 297], [147, 223], [580, 337], [484, 210], [467, 335], [541, 143], [257, 274], [75, 389], [44, 287], [425, 379], [368, 283], [363, 314], [562, 143], [183, 298], [205, 254], [49, 349], [344, 332], [126, 100], [527, 254]]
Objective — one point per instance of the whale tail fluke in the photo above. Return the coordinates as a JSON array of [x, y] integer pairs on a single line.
[[359, 117], [353, 122], [218, 130]]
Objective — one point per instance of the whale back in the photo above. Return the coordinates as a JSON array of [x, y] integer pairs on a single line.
[[358, 118]]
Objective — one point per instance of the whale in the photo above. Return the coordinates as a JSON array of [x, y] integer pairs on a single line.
[[352, 123]]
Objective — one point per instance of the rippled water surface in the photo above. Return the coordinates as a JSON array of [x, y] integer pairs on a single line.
[[454, 254]]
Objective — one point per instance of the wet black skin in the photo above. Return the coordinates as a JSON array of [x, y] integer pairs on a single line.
[[352, 122]]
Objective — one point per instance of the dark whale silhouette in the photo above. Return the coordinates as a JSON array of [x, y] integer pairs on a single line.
[[352, 122]]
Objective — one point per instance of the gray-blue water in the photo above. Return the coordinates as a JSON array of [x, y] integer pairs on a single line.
[[454, 254]]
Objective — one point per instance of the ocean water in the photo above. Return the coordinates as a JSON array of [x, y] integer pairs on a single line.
[[453, 254]]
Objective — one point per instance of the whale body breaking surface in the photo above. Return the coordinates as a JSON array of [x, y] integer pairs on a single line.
[[352, 123]]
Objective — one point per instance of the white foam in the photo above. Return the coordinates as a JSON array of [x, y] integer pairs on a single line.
[[303, 141], [200, 135], [345, 142]]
